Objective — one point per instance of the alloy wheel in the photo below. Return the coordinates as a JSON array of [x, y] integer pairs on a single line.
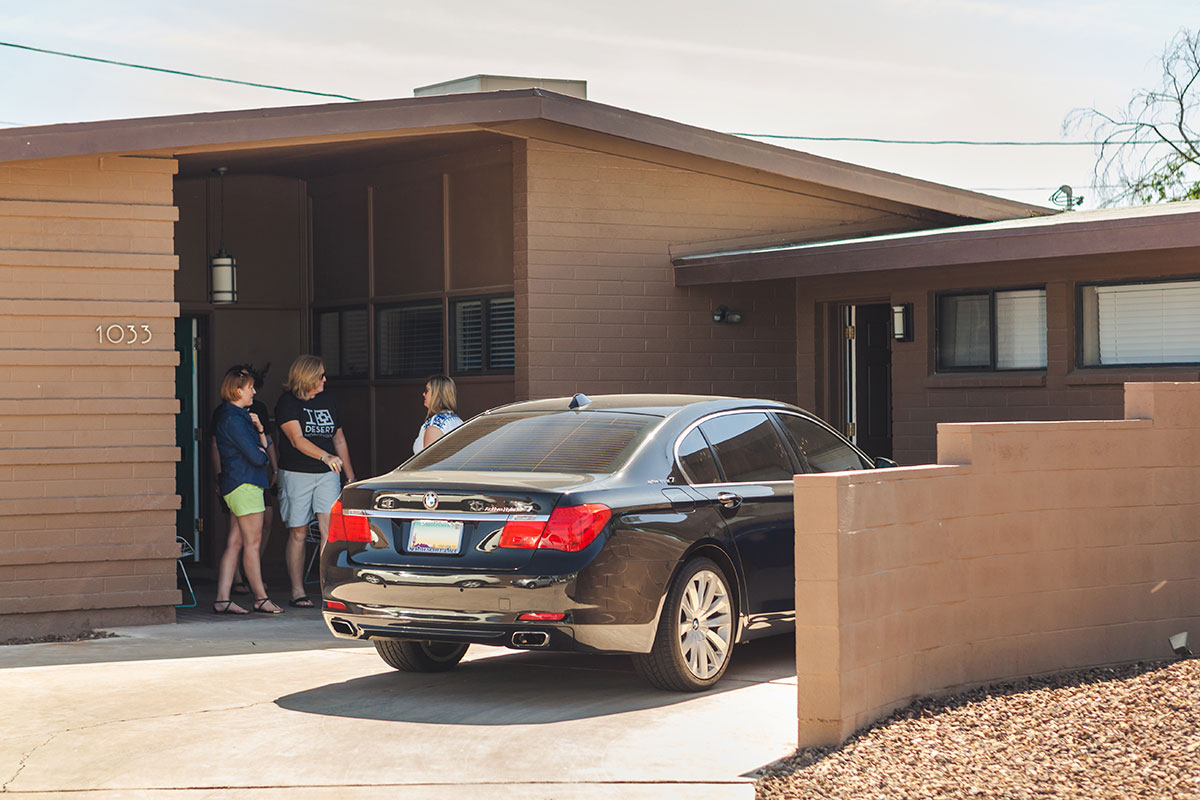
[[705, 624]]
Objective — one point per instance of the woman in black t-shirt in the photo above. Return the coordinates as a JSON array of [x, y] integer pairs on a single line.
[[313, 456]]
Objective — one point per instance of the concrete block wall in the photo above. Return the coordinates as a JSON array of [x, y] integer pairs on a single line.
[[1029, 548], [87, 419]]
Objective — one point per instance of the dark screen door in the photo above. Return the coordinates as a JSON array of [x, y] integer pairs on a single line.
[[873, 379]]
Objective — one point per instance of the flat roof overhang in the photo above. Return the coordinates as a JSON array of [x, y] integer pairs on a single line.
[[1111, 231], [515, 113]]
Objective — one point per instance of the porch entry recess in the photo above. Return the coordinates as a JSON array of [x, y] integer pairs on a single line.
[[867, 375]]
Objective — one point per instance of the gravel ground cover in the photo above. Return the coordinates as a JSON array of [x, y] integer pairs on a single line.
[[61, 637], [1120, 732]]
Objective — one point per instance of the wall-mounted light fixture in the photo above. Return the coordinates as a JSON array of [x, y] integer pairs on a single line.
[[726, 314], [222, 268], [902, 322]]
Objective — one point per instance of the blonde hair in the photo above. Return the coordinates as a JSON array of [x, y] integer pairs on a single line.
[[442, 395], [235, 379], [304, 376]]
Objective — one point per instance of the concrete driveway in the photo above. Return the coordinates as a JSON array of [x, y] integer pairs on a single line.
[[274, 707]]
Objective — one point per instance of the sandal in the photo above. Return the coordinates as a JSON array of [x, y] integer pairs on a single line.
[[228, 607], [301, 602], [260, 605]]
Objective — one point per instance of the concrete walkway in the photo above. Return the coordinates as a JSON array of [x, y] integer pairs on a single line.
[[274, 707]]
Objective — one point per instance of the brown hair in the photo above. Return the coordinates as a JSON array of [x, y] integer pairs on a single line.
[[235, 379], [304, 375], [442, 395]]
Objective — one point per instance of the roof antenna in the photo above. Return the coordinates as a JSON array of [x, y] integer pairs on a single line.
[[1064, 196], [580, 400]]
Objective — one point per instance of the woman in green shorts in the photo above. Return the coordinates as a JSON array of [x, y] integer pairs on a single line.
[[242, 445]]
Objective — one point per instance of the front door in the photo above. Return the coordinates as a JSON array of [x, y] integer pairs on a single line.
[[869, 378]]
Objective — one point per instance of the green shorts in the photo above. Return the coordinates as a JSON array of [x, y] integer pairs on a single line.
[[246, 499]]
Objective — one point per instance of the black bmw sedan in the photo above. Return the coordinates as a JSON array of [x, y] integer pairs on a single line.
[[653, 525]]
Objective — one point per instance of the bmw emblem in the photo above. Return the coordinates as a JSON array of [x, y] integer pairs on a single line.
[[430, 500]]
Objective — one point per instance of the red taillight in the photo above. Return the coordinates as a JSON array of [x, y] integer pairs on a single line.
[[522, 534], [570, 528], [541, 616], [347, 527], [335, 605]]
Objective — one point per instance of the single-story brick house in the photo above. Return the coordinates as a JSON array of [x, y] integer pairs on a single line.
[[529, 243]]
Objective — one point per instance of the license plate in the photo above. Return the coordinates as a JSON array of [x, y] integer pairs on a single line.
[[435, 536]]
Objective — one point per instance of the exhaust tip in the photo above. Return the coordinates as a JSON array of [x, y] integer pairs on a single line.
[[530, 639], [343, 627]]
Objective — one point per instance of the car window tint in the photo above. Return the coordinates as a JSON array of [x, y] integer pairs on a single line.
[[697, 460], [748, 448], [565, 441], [824, 449]]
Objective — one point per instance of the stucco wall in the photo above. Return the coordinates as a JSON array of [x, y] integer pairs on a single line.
[[87, 424], [1030, 548]]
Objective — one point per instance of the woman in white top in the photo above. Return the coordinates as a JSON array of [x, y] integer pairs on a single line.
[[441, 412]]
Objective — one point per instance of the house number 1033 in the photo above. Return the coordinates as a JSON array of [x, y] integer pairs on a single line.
[[124, 334]]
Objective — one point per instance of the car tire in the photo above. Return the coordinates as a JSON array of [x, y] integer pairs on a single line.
[[410, 656], [694, 642]]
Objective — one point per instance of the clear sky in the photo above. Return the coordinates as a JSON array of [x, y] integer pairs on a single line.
[[997, 70]]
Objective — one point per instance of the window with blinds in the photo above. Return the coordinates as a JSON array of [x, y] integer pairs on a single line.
[[992, 330], [341, 342], [408, 340], [1145, 323], [482, 335]]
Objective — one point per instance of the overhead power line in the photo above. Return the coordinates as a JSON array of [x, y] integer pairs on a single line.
[[175, 71]]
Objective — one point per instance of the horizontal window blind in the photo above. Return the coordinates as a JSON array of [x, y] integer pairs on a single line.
[[1149, 323], [354, 343], [501, 334], [409, 340], [1021, 329], [329, 342], [468, 336]]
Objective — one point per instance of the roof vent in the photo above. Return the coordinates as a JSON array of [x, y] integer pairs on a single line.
[[580, 400], [497, 83]]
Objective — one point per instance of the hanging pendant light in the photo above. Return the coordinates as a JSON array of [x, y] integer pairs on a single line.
[[222, 268]]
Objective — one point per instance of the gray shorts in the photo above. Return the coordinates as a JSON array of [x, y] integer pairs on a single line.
[[303, 494]]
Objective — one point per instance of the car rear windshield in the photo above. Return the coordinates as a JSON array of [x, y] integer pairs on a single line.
[[556, 441]]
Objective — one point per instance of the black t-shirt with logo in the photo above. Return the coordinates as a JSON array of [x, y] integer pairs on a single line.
[[318, 420]]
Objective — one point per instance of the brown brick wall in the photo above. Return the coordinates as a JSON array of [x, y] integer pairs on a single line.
[[921, 397], [1032, 548], [596, 299], [87, 436]]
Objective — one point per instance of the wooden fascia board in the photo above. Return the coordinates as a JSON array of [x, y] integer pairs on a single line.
[[955, 249], [197, 132]]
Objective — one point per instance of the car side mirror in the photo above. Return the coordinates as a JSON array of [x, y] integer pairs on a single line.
[[884, 463]]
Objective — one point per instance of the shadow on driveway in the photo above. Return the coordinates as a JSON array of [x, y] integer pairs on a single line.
[[528, 688]]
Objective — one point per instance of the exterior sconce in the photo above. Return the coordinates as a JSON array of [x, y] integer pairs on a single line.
[[902, 322], [222, 268], [726, 314]]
